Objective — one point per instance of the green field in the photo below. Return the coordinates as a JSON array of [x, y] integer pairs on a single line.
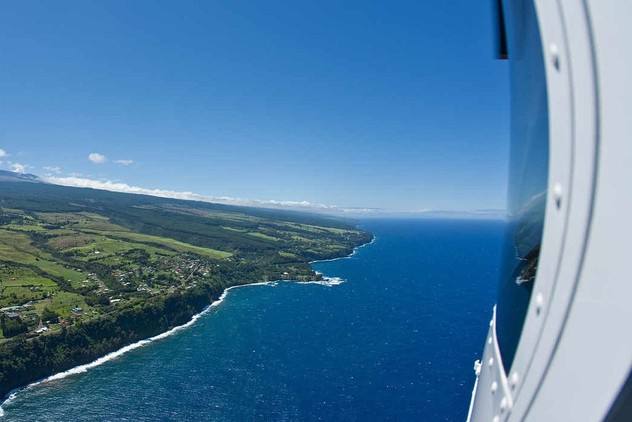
[[64, 248], [18, 248], [164, 242], [264, 236]]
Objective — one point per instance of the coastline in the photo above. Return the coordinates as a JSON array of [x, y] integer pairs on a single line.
[[353, 252], [327, 281], [123, 350]]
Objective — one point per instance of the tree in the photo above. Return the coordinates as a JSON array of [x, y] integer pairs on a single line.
[[12, 326], [49, 315]]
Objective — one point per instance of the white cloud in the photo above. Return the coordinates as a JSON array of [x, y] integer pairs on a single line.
[[3, 153], [83, 182], [124, 162], [18, 168], [97, 158], [52, 169]]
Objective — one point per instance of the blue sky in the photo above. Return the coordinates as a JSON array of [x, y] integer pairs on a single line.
[[393, 105]]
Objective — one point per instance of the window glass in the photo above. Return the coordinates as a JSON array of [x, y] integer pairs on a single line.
[[527, 175]]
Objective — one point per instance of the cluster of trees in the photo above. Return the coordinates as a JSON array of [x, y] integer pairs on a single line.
[[48, 315], [97, 299], [12, 326]]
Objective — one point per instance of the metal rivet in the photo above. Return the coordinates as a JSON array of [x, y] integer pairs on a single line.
[[539, 303], [496, 419], [494, 387], [514, 380], [557, 194], [490, 362], [555, 56], [489, 340], [503, 405]]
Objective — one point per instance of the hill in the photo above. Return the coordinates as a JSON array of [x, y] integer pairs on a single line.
[[84, 272]]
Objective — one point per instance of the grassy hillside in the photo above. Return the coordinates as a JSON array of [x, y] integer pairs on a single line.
[[64, 248], [83, 271]]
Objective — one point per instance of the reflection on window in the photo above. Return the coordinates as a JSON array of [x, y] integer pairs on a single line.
[[527, 176]]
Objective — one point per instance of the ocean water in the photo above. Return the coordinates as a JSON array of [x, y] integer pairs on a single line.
[[395, 341]]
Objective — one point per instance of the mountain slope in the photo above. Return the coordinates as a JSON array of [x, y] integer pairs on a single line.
[[84, 272]]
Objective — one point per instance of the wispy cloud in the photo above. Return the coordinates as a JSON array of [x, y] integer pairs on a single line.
[[97, 158], [12, 165], [52, 169], [18, 168], [83, 182], [77, 180], [124, 162]]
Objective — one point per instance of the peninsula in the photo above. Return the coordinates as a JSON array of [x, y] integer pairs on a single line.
[[84, 272]]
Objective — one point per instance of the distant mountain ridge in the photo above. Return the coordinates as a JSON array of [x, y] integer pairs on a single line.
[[11, 176]]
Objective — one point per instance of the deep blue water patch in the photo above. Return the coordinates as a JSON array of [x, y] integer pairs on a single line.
[[396, 341]]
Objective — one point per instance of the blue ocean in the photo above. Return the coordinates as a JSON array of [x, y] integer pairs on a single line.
[[396, 341]]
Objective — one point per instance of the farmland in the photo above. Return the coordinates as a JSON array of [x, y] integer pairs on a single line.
[[125, 266]]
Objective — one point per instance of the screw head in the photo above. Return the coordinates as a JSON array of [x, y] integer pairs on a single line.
[[513, 380], [539, 303], [555, 56], [557, 194]]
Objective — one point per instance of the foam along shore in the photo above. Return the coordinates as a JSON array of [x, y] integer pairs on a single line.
[[355, 251], [334, 281], [111, 356], [325, 281]]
